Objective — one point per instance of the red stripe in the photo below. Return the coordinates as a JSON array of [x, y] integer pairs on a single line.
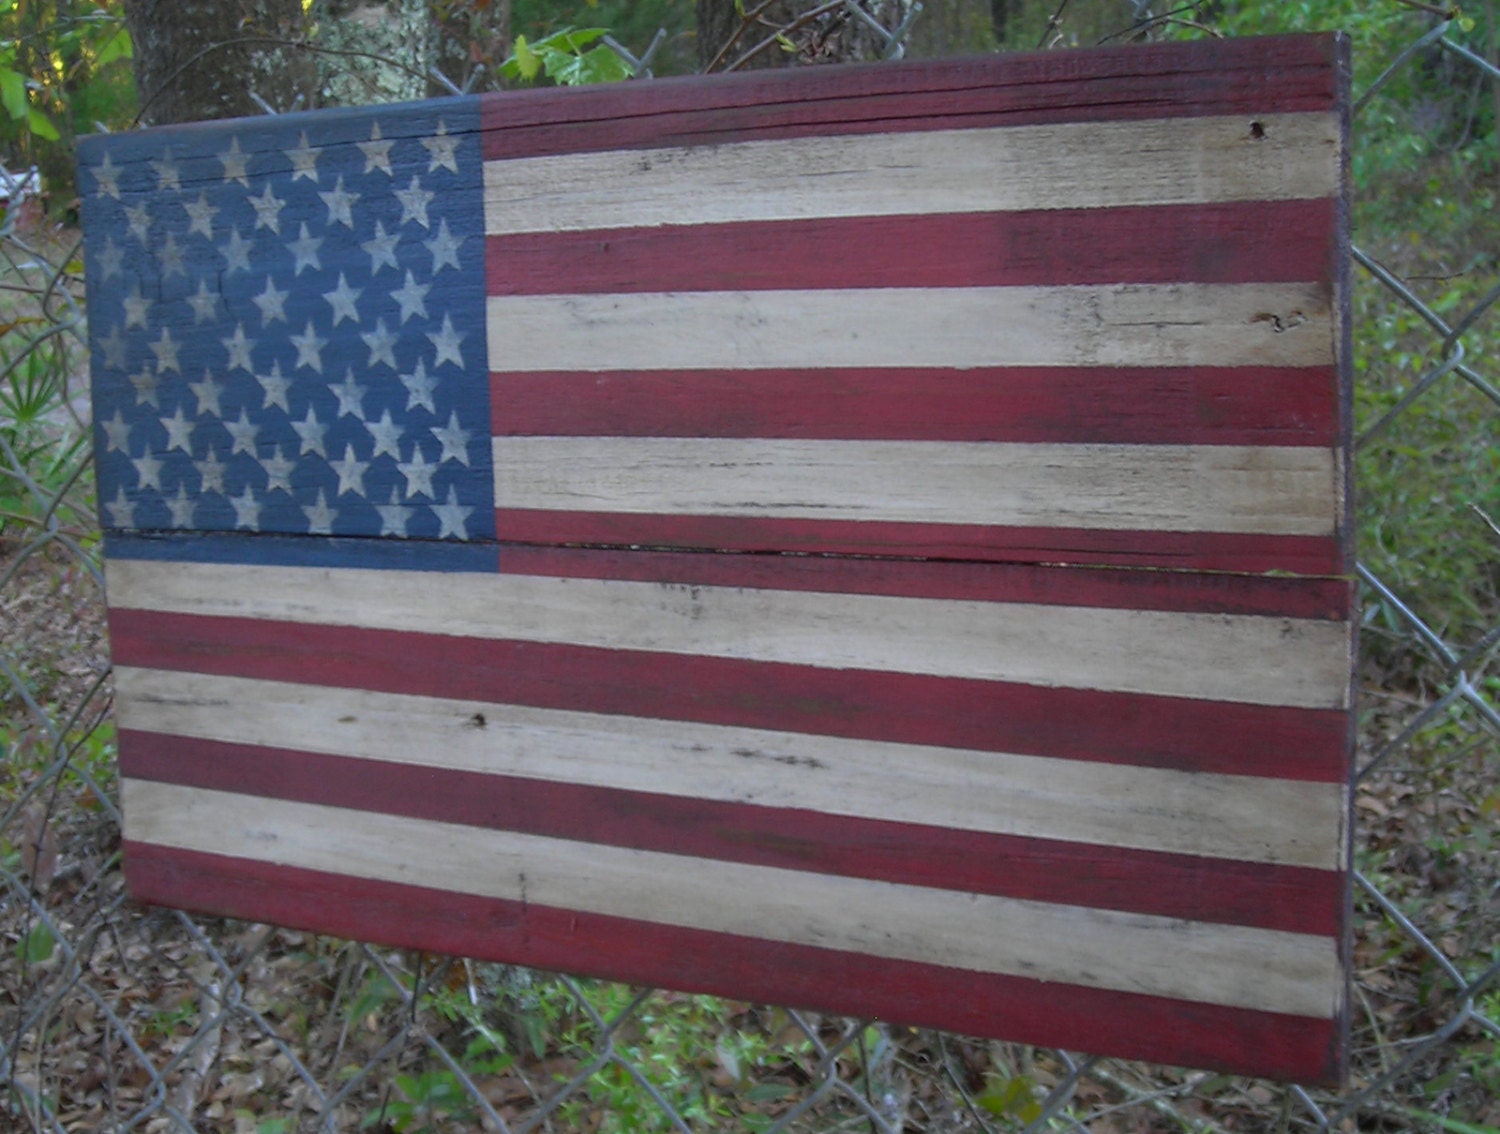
[[1062, 405], [1296, 899], [1240, 242], [1203, 551], [1277, 596], [1052, 1014], [1123, 728], [1237, 76]]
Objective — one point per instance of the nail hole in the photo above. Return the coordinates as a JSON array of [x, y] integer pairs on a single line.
[[1257, 130]]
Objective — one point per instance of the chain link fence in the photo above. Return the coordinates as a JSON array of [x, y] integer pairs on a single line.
[[115, 1017]]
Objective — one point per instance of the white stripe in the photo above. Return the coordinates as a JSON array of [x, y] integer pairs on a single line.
[[1059, 166], [1268, 490], [1252, 659], [1236, 966], [1236, 817], [1250, 324]]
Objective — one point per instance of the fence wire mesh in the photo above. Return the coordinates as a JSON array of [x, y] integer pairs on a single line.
[[115, 1017]]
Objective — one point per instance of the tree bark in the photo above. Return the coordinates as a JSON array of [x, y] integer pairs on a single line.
[[199, 59]]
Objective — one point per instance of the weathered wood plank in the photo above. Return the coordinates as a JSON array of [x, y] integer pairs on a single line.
[[1244, 659], [973, 170]]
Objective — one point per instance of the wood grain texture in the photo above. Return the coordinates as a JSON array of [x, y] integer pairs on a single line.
[[1310, 745], [978, 170], [1231, 966], [1250, 660], [1229, 242], [754, 830], [1252, 819], [1264, 490], [1250, 77], [630, 949], [960, 328]]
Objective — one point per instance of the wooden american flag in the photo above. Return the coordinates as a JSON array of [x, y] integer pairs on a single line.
[[871, 539]]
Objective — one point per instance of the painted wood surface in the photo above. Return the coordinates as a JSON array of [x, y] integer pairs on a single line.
[[873, 539]]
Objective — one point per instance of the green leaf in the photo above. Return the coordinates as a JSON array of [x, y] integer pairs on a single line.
[[37, 946], [527, 62], [13, 93], [41, 125], [117, 46]]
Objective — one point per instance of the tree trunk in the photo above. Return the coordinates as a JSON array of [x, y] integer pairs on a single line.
[[199, 59]]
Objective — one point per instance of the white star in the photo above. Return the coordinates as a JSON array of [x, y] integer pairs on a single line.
[[234, 163], [311, 432], [455, 441], [412, 297], [109, 258], [305, 249], [275, 387], [278, 472], [377, 152], [121, 510], [268, 208], [339, 202], [452, 516], [320, 516], [414, 200], [381, 250], [393, 516], [418, 474], [181, 506], [145, 387], [113, 346], [239, 348], [136, 306], [107, 178], [386, 435], [442, 149], [165, 349], [310, 348], [419, 388], [446, 341], [171, 258], [211, 469], [139, 219], [341, 299], [381, 341], [117, 429], [167, 176], [203, 303], [207, 392], [179, 432], [201, 216], [444, 247], [272, 303], [304, 159], [243, 433], [148, 468], [351, 396], [351, 473], [246, 510], [237, 252]]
